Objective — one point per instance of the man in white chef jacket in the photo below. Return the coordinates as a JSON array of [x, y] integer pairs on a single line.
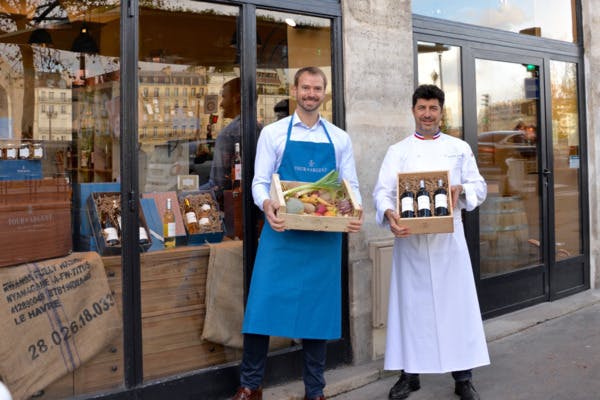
[[434, 323]]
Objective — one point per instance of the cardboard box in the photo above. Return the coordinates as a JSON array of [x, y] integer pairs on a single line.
[[18, 170], [85, 241], [160, 200], [307, 222], [433, 224], [94, 218], [212, 232], [35, 220]]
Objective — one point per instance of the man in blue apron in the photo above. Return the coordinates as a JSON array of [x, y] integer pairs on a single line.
[[295, 290]]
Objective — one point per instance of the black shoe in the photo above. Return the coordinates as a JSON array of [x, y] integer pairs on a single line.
[[406, 384], [465, 390]]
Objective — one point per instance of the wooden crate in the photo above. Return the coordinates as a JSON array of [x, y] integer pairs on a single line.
[[419, 225], [35, 220], [313, 222]]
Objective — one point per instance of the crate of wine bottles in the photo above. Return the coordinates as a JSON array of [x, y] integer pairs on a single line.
[[35, 220], [424, 202], [201, 217], [104, 213]]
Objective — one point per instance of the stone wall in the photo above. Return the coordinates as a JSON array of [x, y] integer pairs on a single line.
[[591, 40], [378, 76]]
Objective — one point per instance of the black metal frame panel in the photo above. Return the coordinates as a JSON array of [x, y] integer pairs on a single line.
[[215, 382], [556, 278]]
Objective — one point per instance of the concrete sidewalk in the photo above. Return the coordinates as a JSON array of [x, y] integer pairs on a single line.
[[550, 351]]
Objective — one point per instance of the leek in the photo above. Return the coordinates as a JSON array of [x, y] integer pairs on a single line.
[[328, 182]]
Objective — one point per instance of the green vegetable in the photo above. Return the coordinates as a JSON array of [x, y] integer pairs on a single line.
[[294, 206], [328, 182]]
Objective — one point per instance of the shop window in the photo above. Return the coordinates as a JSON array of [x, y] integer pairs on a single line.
[[553, 19]]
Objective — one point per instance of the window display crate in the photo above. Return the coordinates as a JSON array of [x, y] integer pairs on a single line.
[[35, 220], [434, 224]]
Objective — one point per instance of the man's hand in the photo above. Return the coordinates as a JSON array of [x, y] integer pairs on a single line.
[[270, 208], [355, 225], [456, 191], [395, 225]]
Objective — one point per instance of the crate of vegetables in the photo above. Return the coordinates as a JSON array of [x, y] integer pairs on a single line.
[[325, 205]]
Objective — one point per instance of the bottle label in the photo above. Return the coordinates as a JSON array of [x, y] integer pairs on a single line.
[[24, 152], [38, 152], [171, 229], [237, 171], [11, 154], [423, 202], [441, 200], [190, 217], [408, 204], [111, 234], [143, 233]]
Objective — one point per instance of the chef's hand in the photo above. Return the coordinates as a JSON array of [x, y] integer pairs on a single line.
[[456, 191], [270, 208], [355, 225], [396, 227]]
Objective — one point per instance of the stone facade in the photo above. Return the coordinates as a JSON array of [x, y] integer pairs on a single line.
[[378, 114]]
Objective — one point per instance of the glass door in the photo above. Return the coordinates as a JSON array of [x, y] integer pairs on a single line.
[[512, 223]]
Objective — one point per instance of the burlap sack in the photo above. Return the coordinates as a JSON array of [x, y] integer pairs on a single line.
[[55, 316], [225, 297]]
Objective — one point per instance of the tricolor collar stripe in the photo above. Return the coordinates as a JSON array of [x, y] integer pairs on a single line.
[[419, 136]]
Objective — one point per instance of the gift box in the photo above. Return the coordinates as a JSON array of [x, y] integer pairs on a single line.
[[433, 224], [309, 222], [160, 200], [85, 241], [210, 222], [98, 201], [35, 220]]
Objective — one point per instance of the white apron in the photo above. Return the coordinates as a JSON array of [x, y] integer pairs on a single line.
[[434, 323]]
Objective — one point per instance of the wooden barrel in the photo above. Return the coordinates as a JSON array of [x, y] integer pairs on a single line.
[[503, 232]]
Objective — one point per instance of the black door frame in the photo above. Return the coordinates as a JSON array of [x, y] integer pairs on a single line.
[[551, 280], [214, 382]]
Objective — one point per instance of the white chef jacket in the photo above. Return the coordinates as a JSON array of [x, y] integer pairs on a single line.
[[434, 323], [271, 144]]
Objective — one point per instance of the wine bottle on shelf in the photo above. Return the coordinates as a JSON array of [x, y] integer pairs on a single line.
[[407, 203], [236, 170], [423, 202], [440, 199], [111, 235], [169, 226], [191, 220]]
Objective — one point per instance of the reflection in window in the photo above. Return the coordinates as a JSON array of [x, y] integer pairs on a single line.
[[288, 42], [566, 158], [439, 65], [554, 19]]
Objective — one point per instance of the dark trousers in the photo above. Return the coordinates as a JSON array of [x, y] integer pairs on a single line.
[[459, 376], [254, 358]]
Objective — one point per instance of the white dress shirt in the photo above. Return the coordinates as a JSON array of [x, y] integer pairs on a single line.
[[271, 145]]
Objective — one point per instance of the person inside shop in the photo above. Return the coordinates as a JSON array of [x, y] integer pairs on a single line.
[[434, 322], [282, 109], [224, 149], [295, 291]]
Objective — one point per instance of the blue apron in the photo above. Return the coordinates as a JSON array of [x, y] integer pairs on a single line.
[[295, 290]]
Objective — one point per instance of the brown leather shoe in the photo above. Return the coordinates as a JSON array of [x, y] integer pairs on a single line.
[[322, 397], [245, 393]]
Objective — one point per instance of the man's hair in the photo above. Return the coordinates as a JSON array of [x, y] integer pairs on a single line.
[[311, 71], [428, 92], [234, 84]]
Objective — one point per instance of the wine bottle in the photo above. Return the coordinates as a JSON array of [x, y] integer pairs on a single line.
[[407, 203], [236, 170], [440, 199], [191, 220], [117, 214], [169, 226], [111, 236], [143, 235], [423, 202]]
